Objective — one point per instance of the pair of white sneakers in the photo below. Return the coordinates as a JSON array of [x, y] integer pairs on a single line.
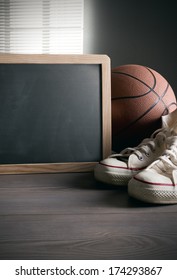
[[150, 169]]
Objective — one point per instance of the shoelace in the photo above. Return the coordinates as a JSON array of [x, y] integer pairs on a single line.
[[147, 145], [168, 161]]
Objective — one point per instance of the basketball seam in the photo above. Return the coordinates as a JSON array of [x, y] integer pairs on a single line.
[[163, 94], [136, 96], [159, 98], [151, 89], [146, 112]]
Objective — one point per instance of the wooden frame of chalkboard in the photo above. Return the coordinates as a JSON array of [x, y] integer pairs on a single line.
[[24, 104]]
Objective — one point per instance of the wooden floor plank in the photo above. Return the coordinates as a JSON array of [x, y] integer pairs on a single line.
[[67, 193], [70, 216], [89, 236]]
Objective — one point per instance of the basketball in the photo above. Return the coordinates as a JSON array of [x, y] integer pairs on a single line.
[[140, 96]]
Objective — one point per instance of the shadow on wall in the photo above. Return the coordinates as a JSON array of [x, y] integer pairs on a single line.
[[129, 32]]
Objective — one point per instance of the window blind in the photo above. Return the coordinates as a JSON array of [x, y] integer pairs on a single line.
[[41, 26]]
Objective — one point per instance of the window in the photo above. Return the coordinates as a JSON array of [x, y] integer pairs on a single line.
[[41, 26]]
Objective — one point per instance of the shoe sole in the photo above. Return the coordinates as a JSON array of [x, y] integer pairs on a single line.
[[105, 175], [152, 194]]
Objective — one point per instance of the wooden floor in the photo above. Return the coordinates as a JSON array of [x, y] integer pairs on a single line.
[[70, 216]]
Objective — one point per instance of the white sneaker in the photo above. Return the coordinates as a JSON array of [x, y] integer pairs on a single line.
[[118, 169], [158, 182]]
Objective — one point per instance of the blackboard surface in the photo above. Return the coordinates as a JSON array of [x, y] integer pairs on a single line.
[[51, 113]]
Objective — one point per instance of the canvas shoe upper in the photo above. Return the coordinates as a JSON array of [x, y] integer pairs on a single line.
[[118, 169], [158, 182]]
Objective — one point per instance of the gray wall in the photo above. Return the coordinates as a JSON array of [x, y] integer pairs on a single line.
[[134, 31]]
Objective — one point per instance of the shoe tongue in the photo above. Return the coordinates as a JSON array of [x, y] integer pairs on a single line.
[[134, 162], [171, 151], [158, 166], [170, 121]]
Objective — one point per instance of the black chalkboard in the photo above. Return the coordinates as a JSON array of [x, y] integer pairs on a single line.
[[51, 113]]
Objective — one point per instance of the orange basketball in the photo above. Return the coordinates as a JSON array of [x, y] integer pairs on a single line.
[[140, 96]]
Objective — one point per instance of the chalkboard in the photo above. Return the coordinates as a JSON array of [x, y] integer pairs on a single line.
[[55, 112]]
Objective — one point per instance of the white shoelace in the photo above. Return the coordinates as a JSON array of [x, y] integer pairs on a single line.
[[168, 161], [147, 145]]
